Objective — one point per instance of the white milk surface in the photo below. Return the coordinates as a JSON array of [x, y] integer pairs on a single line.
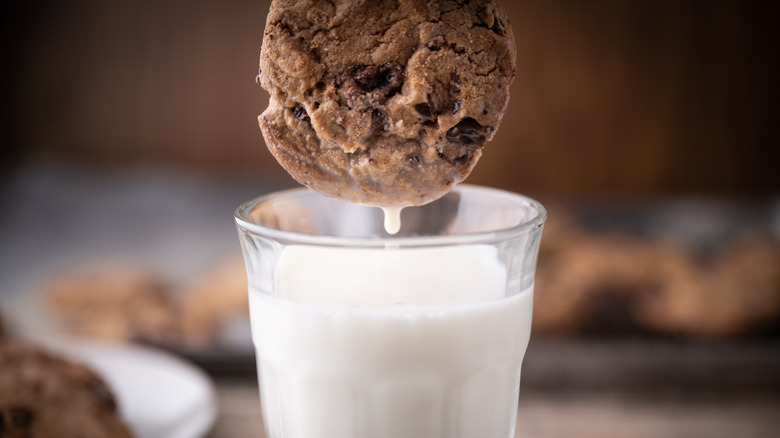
[[365, 344]]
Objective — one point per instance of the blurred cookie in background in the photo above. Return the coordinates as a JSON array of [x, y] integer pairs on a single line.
[[112, 301], [125, 302], [735, 293], [590, 285], [214, 308], [42, 395], [618, 283]]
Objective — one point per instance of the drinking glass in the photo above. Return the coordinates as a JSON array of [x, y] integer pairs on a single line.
[[363, 334]]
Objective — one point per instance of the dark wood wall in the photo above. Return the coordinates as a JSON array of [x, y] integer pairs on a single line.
[[612, 96]]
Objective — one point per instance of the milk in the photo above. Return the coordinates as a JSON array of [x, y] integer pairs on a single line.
[[362, 343], [392, 219]]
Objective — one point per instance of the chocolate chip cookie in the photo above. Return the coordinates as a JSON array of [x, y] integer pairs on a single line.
[[44, 396], [386, 103], [111, 301]]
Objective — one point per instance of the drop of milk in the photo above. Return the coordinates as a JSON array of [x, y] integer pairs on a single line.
[[392, 219]]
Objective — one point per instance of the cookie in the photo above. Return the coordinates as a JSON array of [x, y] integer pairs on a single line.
[[212, 302], [111, 301], [600, 284], [385, 103], [738, 293], [42, 396], [591, 283]]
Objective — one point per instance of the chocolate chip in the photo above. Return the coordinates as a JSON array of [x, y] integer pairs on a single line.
[[453, 106], [2, 424], [21, 417], [414, 160], [469, 132], [385, 79], [463, 159], [300, 113], [425, 110]]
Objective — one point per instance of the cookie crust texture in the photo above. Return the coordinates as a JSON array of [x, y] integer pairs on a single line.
[[385, 103]]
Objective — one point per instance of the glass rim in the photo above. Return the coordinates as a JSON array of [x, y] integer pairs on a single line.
[[241, 217]]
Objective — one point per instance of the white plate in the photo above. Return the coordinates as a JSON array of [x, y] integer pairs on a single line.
[[159, 395]]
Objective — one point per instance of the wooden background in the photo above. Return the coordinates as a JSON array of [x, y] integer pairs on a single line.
[[612, 97]]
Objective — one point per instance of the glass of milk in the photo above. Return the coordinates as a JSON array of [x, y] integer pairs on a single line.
[[363, 334]]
